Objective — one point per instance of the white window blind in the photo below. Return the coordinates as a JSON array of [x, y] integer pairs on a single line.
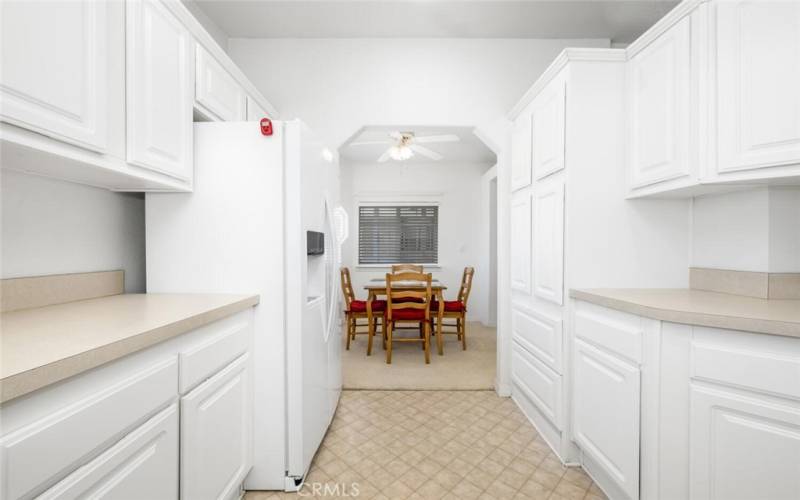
[[398, 234]]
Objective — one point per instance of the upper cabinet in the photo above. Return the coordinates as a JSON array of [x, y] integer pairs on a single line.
[[218, 96], [658, 90], [756, 86], [254, 111], [159, 89], [54, 79], [547, 129], [105, 93], [712, 97]]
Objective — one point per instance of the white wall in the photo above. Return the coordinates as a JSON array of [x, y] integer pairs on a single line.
[[750, 230], [52, 227], [484, 290], [457, 189], [340, 85]]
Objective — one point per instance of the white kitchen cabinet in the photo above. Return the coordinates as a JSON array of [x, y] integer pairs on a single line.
[[659, 105], [217, 94], [548, 130], [743, 445], [254, 111], [54, 79], [521, 153], [606, 413], [144, 464], [160, 90], [548, 240], [521, 242], [217, 433], [756, 86]]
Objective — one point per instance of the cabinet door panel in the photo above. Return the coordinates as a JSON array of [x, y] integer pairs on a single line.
[[548, 241], [659, 85], [521, 242], [548, 129], [254, 111], [758, 74], [217, 433], [144, 464], [159, 90], [540, 334], [216, 91], [54, 79], [521, 153], [606, 413], [538, 383], [742, 446]]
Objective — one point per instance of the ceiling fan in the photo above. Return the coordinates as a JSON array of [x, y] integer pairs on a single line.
[[403, 145]]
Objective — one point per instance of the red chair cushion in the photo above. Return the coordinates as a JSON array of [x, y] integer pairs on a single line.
[[409, 299], [360, 306], [449, 306], [409, 314]]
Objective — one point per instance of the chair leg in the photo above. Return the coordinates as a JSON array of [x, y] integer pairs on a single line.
[[389, 343], [426, 343], [463, 322], [349, 334], [371, 323], [383, 330]]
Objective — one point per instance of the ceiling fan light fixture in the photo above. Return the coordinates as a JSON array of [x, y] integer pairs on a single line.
[[400, 153]]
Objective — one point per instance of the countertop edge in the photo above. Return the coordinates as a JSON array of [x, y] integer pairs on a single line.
[[22, 383], [765, 326]]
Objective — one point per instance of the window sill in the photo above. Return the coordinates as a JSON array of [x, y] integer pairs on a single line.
[[388, 267]]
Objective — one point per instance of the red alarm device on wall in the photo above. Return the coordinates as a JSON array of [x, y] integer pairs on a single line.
[[266, 126]]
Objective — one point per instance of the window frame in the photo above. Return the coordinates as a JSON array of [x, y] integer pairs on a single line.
[[404, 203]]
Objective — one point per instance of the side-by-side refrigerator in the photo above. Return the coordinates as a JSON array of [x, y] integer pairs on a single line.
[[244, 230]]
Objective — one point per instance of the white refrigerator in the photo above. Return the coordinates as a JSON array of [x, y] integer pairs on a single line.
[[243, 230]]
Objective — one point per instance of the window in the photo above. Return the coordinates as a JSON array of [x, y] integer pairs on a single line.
[[398, 234]]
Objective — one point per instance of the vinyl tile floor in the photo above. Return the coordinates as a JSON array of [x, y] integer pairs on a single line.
[[459, 445]]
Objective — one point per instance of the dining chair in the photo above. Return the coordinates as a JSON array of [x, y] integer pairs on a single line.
[[408, 306], [457, 309], [402, 268], [357, 309]]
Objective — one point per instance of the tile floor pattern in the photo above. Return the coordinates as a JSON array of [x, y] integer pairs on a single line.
[[459, 445]]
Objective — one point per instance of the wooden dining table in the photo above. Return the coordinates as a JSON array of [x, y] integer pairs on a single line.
[[377, 287]]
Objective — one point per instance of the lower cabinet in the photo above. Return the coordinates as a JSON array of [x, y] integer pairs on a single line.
[[683, 411], [606, 413], [217, 433], [743, 446], [128, 430], [144, 464]]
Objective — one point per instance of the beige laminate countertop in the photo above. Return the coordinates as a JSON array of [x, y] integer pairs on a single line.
[[41, 346], [698, 307]]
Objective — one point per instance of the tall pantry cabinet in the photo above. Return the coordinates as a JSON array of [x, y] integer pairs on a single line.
[[572, 227]]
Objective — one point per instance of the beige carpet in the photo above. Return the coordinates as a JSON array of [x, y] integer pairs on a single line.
[[473, 369]]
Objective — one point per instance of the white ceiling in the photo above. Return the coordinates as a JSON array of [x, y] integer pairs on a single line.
[[618, 20], [470, 149]]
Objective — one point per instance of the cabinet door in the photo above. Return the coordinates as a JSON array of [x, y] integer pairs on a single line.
[[743, 446], [54, 78], [606, 413], [254, 111], [217, 433], [521, 153], [217, 94], [659, 97], [521, 242], [159, 89], [548, 129], [143, 464], [548, 241], [757, 82]]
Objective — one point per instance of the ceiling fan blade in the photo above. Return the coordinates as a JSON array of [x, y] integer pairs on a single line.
[[385, 156], [369, 143], [437, 138], [396, 135], [433, 155]]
